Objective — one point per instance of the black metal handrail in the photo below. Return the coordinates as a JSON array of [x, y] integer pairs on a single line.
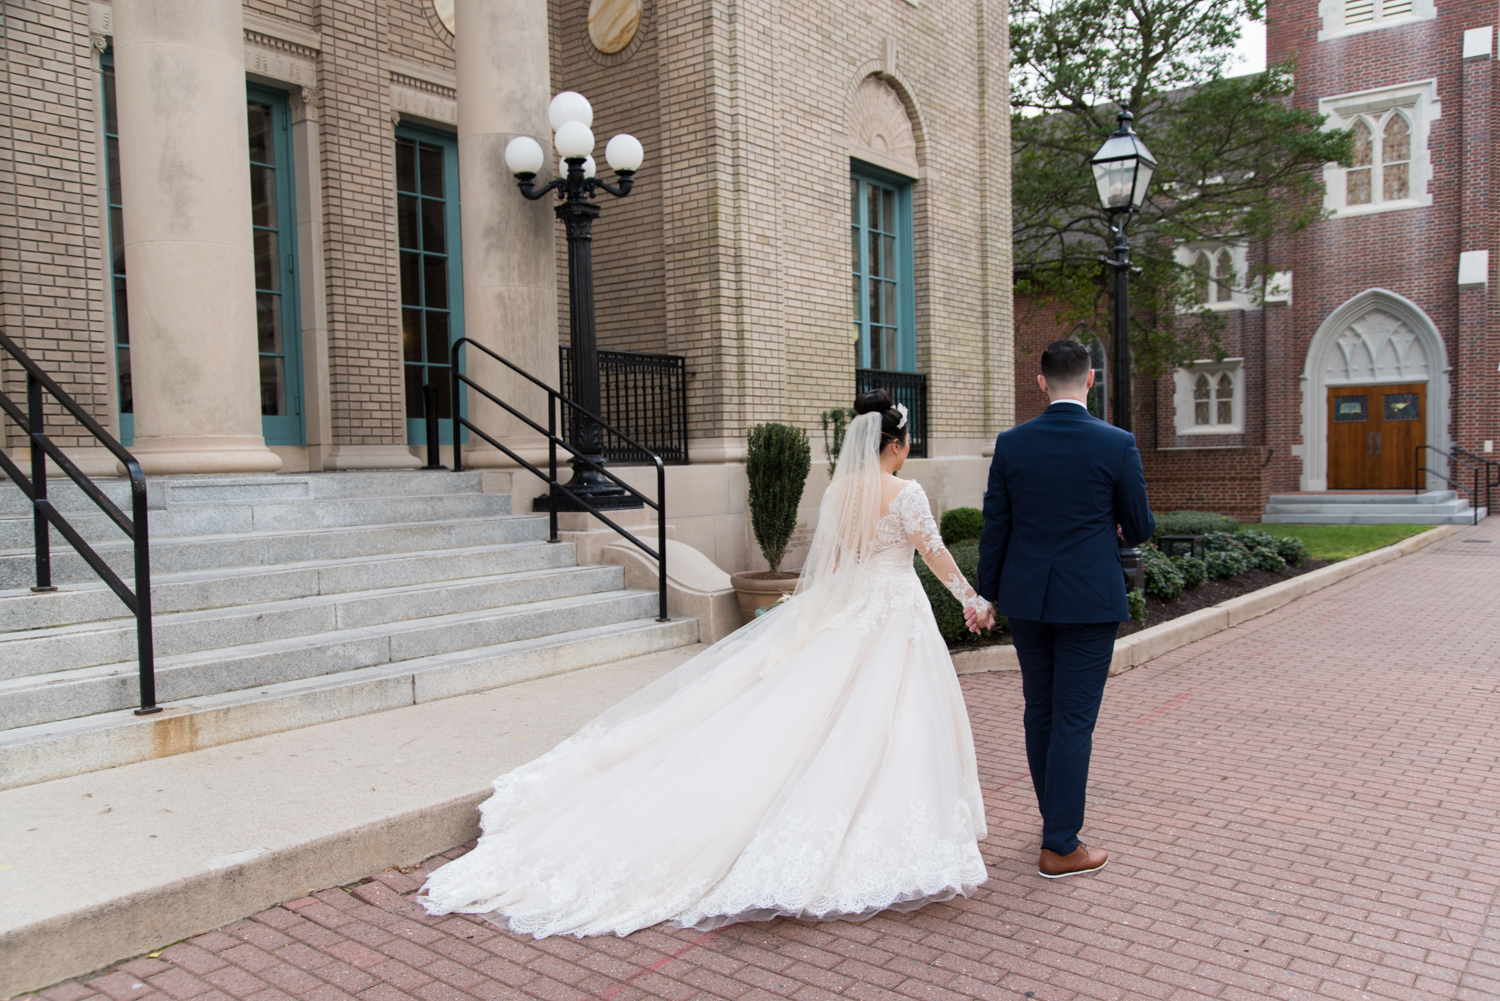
[[555, 487], [1469, 461], [644, 393], [44, 512], [909, 388]]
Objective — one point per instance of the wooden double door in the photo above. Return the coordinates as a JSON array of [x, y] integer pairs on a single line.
[[1373, 434]]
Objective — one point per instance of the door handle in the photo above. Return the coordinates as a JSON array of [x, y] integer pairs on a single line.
[[1379, 438]]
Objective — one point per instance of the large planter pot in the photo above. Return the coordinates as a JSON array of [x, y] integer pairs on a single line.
[[757, 589]]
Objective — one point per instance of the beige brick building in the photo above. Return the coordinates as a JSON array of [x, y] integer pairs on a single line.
[[223, 326]]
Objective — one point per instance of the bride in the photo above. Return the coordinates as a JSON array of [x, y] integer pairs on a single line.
[[816, 764]]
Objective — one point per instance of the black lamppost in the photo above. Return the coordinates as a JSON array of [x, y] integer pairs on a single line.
[[1122, 172], [571, 117]]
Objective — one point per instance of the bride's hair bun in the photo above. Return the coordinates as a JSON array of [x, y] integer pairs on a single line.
[[878, 401]]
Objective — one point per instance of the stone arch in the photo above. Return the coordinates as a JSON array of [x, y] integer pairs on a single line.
[[1375, 337], [885, 124]]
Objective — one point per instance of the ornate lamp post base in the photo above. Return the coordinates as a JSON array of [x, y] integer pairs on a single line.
[[598, 490]]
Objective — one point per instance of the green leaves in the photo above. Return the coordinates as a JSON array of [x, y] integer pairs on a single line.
[[1237, 161], [778, 461]]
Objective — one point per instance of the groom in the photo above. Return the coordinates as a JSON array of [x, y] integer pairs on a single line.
[[1065, 490]]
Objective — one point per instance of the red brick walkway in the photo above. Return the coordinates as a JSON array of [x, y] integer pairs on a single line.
[[1304, 806]]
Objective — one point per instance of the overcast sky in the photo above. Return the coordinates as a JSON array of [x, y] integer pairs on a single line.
[[1250, 54]]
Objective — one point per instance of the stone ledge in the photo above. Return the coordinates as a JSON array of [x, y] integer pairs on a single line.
[[1148, 644]]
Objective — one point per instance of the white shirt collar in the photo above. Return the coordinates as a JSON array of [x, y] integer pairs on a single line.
[[1066, 399]]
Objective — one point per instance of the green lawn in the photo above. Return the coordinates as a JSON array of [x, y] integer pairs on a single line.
[[1339, 542]]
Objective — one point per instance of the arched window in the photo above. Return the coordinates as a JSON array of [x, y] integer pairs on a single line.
[[1395, 157], [1224, 276], [1201, 268], [1224, 399], [1202, 401], [1357, 188]]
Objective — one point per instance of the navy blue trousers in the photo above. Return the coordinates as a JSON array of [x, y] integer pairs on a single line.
[[1063, 670]]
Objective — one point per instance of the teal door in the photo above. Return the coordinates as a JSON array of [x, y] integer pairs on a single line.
[[273, 218], [432, 284]]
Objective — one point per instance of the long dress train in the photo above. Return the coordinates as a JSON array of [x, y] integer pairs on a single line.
[[833, 781]]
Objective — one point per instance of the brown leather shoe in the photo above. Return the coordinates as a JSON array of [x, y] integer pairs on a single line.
[[1082, 859]]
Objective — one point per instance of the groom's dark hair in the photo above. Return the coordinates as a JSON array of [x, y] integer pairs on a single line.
[[1066, 363]]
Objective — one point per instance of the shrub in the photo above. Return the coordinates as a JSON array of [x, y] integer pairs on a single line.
[[835, 425], [1253, 540], [1292, 550], [1226, 542], [1266, 558], [1193, 523], [1137, 602], [777, 465], [945, 608], [1163, 579], [1194, 571], [961, 525], [1224, 563]]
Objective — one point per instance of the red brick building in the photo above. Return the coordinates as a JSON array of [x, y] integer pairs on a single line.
[[1379, 330]]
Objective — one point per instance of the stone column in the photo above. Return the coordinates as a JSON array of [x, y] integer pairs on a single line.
[[509, 252], [195, 368]]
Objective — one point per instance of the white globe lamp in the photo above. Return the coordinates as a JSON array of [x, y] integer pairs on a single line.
[[624, 154], [523, 155], [574, 139], [570, 106]]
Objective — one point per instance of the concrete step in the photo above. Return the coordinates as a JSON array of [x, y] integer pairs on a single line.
[[22, 610], [46, 651], [176, 491], [274, 516], [1447, 507], [1340, 497], [17, 566], [1465, 517], [54, 750], [87, 691]]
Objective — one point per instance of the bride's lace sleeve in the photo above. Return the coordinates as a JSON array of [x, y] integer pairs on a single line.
[[912, 506]]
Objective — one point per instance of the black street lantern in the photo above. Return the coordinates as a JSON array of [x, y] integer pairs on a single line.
[[1122, 173], [571, 117]]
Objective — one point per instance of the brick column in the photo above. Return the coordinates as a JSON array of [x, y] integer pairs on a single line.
[[195, 368], [1475, 382], [510, 271]]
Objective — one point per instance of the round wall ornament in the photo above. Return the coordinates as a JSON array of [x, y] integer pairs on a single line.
[[613, 23], [444, 11]]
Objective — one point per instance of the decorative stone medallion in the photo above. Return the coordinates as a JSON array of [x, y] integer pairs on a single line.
[[444, 11], [613, 24]]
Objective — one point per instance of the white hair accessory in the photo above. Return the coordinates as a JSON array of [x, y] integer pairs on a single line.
[[901, 409]]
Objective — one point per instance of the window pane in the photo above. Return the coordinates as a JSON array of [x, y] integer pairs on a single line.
[[435, 282], [267, 261], [1357, 187], [122, 370], [122, 314], [262, 143], [117, 241], [875, 265], [111, 123], [854, 285], [1200, 276], [112, 150], [441, 377], [268, 322], [1200, 388], [888, 305], [877, 357], [1395, 182], [414, 408], [411, 334], [1226, 412], [888, 255], [431, 170], [437, 336], [406, 221], [411, 280], [1364, 144], [887, 210], [406, 165], [434, 227], [1396, 144], [1226, 387], [1224, 275], [263, 196], [873, 313], [272, 387], [892, 350], [872, 207], [1200, 412]]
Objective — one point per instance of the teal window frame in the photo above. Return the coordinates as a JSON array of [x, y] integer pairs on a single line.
[[422, 366], [288, 428], [124, 398], [900, 271]]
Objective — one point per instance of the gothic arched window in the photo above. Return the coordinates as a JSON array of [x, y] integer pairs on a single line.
[[1395, 157], [1357, 188], [1224, 276]]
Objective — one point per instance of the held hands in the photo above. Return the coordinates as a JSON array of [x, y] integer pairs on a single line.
[[977, 621]]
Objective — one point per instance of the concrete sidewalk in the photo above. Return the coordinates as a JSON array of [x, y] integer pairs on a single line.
[[115, 862]]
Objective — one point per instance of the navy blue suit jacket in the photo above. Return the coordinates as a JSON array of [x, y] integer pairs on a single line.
[[1059, 484]]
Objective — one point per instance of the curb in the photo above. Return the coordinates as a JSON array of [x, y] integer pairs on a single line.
[[1148, 644]]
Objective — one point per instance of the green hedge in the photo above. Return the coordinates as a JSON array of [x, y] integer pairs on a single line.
[[961, 525], [1193, 523], [945, 608]]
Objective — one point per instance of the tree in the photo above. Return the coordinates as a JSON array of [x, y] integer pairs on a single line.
[[1236, 161]]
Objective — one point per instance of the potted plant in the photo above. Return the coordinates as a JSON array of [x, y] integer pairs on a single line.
[[778, 461]]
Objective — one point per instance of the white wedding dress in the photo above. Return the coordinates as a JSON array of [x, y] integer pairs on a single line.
[[810, 769]]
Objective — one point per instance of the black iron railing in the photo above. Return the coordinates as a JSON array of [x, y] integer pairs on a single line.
[[43, 512], [909, 388], [644, 395], [1478, 466], [557, 401]]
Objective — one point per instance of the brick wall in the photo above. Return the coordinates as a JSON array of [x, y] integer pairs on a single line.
[[1228, 481]]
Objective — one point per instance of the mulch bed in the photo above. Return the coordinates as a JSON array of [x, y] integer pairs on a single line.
[[1206, 595]]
